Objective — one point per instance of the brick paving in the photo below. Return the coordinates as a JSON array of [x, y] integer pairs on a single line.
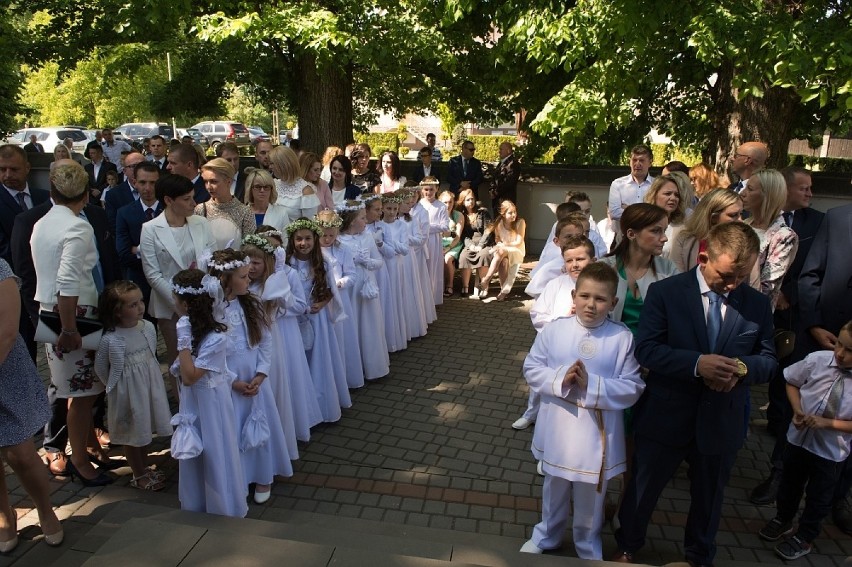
[[431, 445]]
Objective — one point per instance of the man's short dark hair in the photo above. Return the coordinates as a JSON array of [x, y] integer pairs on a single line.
[[94, 145], [157, 137], [577, 197], [791, 171], [425, 150], [430, 135], [9, 150], [642, 150], [185, 153], [736, 239], [677, 166], [565, 209], [229, 146], [172, 186], [148, 166]]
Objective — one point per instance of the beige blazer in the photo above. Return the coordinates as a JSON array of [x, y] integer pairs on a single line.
[[161, 258]]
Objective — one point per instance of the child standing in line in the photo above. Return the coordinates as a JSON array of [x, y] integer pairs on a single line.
[[396, 240], [250, 357], [343, 267], [818, 443], [548, 253], [583, 368], [394, 335], [126, 362], [439, 222], [211, 481], [575, 224], [321, 348], [420, 217], [364, 296], [279, 286], [557, 301], [413, 269]]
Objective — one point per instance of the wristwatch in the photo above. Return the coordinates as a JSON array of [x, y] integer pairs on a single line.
[[742, 369]]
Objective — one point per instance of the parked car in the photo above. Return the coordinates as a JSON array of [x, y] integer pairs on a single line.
[[50, 136], [138, 131], [256, 134], [197, 137], [218, 131]]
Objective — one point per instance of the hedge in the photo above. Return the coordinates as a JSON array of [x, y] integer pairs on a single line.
[[488, 147], [379, 142], [828, 165]]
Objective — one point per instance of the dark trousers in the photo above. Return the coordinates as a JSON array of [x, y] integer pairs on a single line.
[[814, 476], [56, 431], [654, 464]]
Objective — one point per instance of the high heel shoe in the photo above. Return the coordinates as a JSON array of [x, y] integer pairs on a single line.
[[9, 545], [55, 540], [100, 480], [108, 465]]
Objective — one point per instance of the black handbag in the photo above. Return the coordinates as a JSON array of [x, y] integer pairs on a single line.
[[50, 326]]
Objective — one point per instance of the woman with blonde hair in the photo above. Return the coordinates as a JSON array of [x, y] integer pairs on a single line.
[[704, 179], [59, 152], [764, 196], [262, 198], [671, 192], [717, 206], [295, 194], [229, 219], [311, 172], [508, 252]]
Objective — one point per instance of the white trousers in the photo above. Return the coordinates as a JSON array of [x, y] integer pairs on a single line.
[[588, 516]]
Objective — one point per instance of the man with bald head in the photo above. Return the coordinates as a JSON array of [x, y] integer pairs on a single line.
[[748, 159], [126, 192]]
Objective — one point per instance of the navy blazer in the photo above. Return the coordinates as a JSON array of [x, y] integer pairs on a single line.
[[22, 259], [456, 175], [677, 408], [115, 199], [201, 193], [240, 188], [805, 224], [419, 174], [9, 209], [100, 182], [128, 232], [825, 284]]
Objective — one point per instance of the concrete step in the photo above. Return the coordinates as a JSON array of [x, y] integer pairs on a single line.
[[134, 533]]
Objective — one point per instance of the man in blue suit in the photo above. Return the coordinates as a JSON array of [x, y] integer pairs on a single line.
[[465, 171], [183, 160], [128, 225], [16, 196], [126, 191], [705, 336]]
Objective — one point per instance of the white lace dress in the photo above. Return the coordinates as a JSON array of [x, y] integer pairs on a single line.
[[291, 198]]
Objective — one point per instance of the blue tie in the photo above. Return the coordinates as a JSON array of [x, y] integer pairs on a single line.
[[714, 319]]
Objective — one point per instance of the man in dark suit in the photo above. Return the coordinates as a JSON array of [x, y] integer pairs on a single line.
[[805, 222], [126, 191], [465, 171], [825, 305], [424, 167], [97, 171], [129, 221], [505, 184], [16, 196], [183, 161], [231, 153], [705, 337], [748, 158], [157, 147], [55, 433], [34, 147]]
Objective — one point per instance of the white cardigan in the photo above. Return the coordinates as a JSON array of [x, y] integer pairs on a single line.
[[161, 259], [64, 253]]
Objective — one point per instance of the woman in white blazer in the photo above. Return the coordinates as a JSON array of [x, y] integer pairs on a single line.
[[171, 242], [64, 256], [262, 198]]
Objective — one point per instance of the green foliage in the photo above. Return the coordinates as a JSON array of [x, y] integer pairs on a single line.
[[379, 141], [488, 147], [664, 153], [828, 165]]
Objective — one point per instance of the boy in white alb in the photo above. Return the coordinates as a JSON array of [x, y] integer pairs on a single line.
[[818, 443], [550, 265], [556, 301], [584, 369]]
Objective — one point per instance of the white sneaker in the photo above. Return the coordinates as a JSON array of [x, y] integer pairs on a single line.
[[522, 423], [539, 469], [530, 547], [474, 293]]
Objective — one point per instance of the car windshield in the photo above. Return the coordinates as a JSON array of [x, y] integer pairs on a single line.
[[239, 128], [75, 135]]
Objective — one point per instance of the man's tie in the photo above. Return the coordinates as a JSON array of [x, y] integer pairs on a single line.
[[714, 319], [464, 166], [21, 200], [739, 186], [835, 395], [788, 218], [149, 213]]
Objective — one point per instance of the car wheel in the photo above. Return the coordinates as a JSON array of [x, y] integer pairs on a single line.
[[215, 145]]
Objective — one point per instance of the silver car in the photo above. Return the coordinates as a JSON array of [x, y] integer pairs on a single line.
[[51, 136]]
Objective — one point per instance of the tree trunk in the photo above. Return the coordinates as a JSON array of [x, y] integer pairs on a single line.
[[766, 119], [325, 105]]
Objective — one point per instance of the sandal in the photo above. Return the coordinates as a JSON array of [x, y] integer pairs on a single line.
[[147, 482], [159, 476], [502, 295], [448, 292]]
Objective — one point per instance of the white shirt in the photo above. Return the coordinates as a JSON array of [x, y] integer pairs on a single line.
[[27, 197], [624, 191]]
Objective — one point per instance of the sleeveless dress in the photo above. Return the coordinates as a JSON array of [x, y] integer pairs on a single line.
[[260, 464], [23, 397], [213, 482], [364, 297]]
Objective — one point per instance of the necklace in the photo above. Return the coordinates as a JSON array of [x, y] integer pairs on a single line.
[[588, 346]]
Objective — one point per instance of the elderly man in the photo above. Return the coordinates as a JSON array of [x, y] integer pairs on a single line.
[[631, 188], [748, 159], [34, 147]]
